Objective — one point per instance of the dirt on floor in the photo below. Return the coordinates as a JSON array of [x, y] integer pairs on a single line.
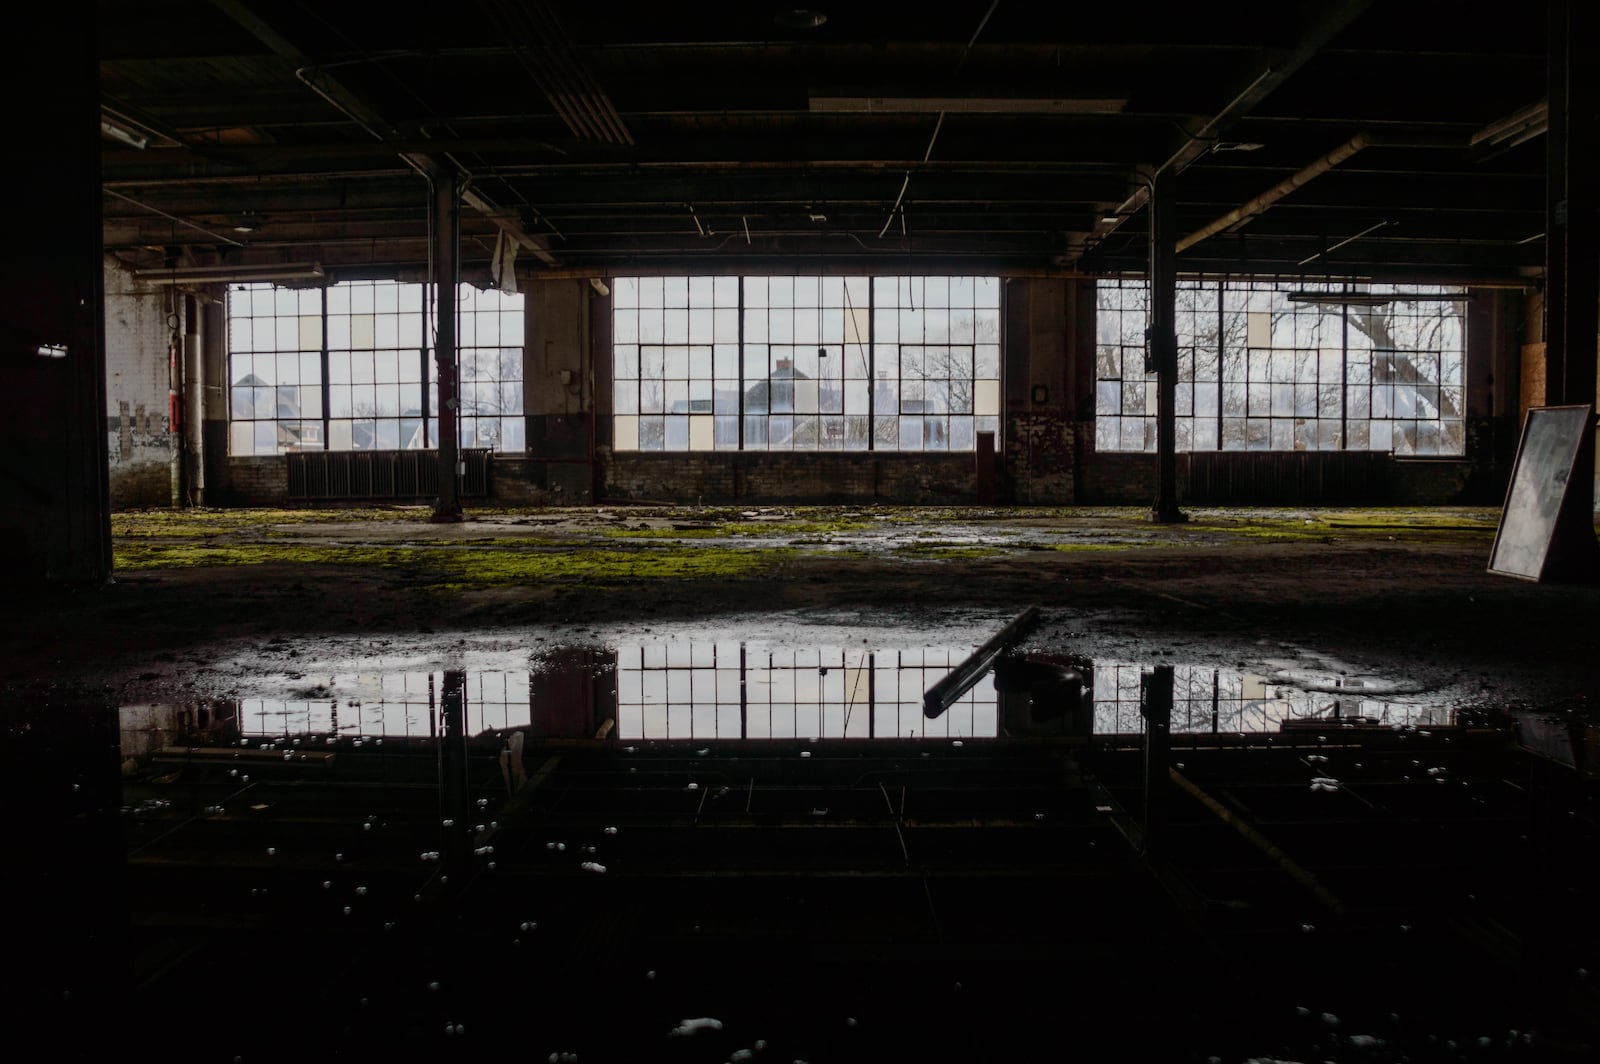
[[202, 598]]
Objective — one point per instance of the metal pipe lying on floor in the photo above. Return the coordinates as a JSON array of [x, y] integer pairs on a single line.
[[940, 697]]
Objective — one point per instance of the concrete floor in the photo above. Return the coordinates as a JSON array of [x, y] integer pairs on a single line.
[[1018, 897]]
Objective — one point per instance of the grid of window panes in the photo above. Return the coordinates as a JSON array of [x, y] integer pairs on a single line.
[[380, 388], [275, 369], [1259, 371], [376, 365], [737, 691], [489, 331], [805, 363], [390, 703], [1226, 701]]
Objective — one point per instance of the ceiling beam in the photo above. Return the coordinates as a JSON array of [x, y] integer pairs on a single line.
[[353, 106], [1333, 19]]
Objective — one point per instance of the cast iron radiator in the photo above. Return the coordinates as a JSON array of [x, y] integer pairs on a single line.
[[382, 474], [1328, 478]]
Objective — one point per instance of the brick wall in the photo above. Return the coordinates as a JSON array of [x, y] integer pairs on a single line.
[[774, 477], [259, 480], [139, 440]]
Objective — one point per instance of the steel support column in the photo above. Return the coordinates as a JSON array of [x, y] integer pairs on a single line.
[[1162, 341], [1155, 706], [1572, 263], [446, 249]]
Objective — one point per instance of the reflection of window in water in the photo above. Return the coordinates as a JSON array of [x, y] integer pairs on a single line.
[[1206, 699], [400, 703], [732, 691]]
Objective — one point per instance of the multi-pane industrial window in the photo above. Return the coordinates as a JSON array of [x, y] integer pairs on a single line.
[[1260, 371], [746, 691], [351, 367], [805, 363]]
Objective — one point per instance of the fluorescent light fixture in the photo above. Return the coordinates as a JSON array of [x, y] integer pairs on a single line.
[[1237, 145], [1370, 299], [993, 105], [124, 134], [288, 271], [52, 350], [1335, 299]]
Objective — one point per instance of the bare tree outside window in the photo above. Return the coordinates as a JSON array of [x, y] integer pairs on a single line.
[[1259, 371]]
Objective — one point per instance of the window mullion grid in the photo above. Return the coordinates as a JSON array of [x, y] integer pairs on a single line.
[[872, 363], [740, 389], [323, 363]]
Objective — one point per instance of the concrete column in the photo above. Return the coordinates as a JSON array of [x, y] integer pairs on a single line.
[[446, 207], [193, 408], [1572, 264], [213, 410], [55, 512], [1163, 345]]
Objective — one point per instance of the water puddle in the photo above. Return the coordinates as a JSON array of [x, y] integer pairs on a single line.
[[672, 686]]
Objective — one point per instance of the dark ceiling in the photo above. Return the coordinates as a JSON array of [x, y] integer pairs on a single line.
[[1004, 136]]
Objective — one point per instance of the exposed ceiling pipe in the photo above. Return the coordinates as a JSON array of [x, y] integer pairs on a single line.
[[1272, 195], [1333, 19], [174, 218], [1521, 124], [1347, 240], [1239, 215]]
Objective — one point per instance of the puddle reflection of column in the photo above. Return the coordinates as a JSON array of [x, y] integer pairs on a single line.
[[1155, 706], [454, 801]]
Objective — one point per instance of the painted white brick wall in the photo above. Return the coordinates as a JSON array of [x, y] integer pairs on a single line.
[[139, 440]]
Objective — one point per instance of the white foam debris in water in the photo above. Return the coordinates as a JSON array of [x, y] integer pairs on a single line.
[[849, 1021], [272, 851], [361, 890], [591, 866], [759, 1044], [528, 925], [1330, 1019], [1317, 759], [1365, 1041], [739, 1056], [651, 974], [1301, 1010], [805, 753], [1308, 928], [611, 831], [692, 787], [694, 1026], [433, 986], [702, 753], [958, 742]]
